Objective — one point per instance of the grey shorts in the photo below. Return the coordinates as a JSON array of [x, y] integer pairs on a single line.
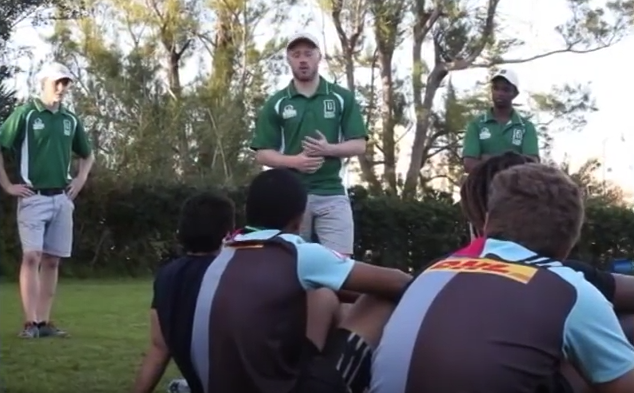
[[330, 219], [45, 224]]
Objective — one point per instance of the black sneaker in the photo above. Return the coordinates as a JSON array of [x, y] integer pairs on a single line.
[[30, 331], [48, 329]]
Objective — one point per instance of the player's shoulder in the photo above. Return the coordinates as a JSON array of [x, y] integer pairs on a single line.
[[25, 108], [68, 112], [574, 278], [480, 119], [525, 120], [310, 249], [341, 91], [337, 88], [292, 238], [277, 97], [169, 267]]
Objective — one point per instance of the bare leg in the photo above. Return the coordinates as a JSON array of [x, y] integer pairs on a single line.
[[323, 309], [48, 285], [367, 317], [351, 346], [29, 284]]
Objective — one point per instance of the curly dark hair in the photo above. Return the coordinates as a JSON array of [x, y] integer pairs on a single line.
[[537, 206], [475, 190]]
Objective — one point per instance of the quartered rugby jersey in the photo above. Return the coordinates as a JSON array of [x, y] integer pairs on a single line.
[[496, 318], [237, 322]]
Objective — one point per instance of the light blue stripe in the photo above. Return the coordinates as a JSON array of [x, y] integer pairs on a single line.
[[392, 358], [506, 250], [200, 329], [512, 252]]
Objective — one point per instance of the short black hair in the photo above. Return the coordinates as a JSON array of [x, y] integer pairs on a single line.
[[205, 220], [276, 197]]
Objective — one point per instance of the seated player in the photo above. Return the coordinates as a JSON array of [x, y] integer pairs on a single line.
[[204, 221], [502, 316], [250, 313], [617, 288]]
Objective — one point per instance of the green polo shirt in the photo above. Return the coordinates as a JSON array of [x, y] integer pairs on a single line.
[[485, 135], [288, 117], [44, 142]]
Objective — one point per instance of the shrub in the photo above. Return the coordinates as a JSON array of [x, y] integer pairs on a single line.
[[123, 230]]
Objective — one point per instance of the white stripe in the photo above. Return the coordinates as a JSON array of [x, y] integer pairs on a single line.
[[24, 151], [200, 329], [277, 107]]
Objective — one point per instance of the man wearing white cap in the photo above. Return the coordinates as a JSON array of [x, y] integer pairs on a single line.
[[501, 128], [313, 126], [43, 135]]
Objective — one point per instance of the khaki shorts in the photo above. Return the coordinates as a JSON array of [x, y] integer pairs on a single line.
[[329, 218], [45, 224]]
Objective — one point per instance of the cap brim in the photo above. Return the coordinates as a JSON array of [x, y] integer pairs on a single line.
[[56, 76], [298, 40], [505, 78]]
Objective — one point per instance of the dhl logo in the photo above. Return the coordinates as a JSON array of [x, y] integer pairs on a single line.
[[241, 245], [517, 272]]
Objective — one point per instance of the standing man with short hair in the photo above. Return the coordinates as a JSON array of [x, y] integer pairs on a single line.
[[44, 134], [501, 128], [313, 126]]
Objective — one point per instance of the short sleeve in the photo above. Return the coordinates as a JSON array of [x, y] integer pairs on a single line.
[[594, 341], [318, 266], [471, 144], [81, 143], [352, 124], [268, 130], [11, 129], [159, 286], [601, 280], [530, 146]]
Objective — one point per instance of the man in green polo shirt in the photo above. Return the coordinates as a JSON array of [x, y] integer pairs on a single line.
[[43, 135], [313, 127], [501, 128]]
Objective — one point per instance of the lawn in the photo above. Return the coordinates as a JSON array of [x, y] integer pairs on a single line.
[[108, 326]]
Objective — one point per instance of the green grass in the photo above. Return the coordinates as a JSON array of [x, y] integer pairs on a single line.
[[108, 323]]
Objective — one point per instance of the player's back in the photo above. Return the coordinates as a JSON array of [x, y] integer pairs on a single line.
[[249, 324], [478, 325], [176, 290]]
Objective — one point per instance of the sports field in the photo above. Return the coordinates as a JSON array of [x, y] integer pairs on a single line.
[[108, 326]]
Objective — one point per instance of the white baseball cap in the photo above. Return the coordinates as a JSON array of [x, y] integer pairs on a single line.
[[303, 37], [509, 75], [55, 71]]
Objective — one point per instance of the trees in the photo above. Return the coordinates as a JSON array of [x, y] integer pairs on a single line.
[[13, 12], [174, 85], [460, 35], [170, 93]]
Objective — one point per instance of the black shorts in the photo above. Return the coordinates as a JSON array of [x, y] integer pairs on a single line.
[[319, 374]]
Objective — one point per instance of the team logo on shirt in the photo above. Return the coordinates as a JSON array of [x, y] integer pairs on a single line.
[[289, 112], [512, 271], [485, 133], [38, 124], [67, 127], [518, 136], [329, 109]]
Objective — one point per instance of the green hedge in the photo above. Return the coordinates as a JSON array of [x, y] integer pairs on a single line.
[[125, 230]]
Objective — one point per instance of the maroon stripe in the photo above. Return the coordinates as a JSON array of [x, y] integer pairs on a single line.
[[257, 322], [473, 249], [488, 333]]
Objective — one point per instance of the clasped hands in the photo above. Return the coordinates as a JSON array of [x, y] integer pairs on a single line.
[[315, 149]]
